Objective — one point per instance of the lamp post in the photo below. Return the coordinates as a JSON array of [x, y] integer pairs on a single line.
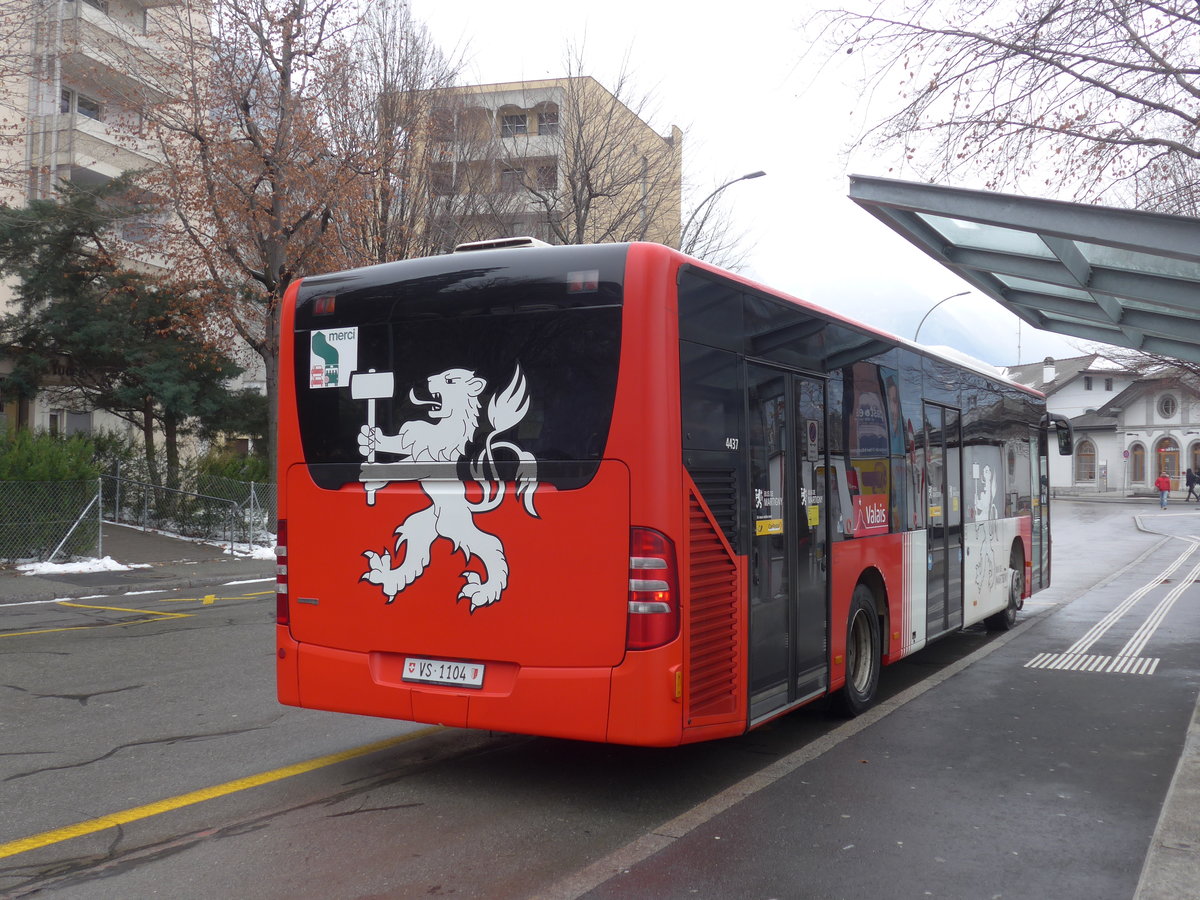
[[932, 308], [703, 203]]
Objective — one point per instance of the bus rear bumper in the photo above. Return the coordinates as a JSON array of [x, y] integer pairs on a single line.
[[554, 702]]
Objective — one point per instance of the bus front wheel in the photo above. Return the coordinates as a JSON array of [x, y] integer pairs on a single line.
[[863, 656], [1007, 618]]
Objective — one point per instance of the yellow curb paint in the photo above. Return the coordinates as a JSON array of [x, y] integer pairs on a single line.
[[102, 823]]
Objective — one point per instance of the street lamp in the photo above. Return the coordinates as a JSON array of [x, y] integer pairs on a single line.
[[932, 308], [703, 203]]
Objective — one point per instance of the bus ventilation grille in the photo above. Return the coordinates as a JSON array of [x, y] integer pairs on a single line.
[[718, 487], [712, 645]]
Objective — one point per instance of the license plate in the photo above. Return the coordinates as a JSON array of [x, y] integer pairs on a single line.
[[440, 671]]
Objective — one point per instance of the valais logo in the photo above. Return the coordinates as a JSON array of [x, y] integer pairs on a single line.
[[870, 514]]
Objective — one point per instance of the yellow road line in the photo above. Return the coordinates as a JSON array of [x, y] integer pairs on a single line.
[[164, 615], [154, 617], [91, 826]]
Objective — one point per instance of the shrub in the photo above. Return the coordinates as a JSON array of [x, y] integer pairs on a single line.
[[228, 464], [37, 456], [121, 454]]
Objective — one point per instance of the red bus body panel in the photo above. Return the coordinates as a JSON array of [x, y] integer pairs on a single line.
[[554, 646]]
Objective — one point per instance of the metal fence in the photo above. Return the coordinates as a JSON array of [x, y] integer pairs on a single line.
[[254, 522], [51, 521], [220, 509]]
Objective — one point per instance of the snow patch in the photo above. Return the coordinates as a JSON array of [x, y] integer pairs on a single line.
[[107, 564]]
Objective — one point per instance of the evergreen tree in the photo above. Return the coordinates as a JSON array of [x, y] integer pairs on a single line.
[[94, 331]]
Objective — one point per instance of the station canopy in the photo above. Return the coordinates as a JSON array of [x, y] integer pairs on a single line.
[[1097, 273]]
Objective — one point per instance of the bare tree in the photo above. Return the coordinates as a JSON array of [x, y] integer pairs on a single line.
[[1090, 98], [250, 174], [566, 158], [709, 231], [1150, 365], [618, 181], [384, 105]]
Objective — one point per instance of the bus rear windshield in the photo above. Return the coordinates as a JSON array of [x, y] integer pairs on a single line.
[[517, 346]]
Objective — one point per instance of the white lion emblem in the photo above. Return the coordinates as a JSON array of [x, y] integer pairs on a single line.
[[454, 407]]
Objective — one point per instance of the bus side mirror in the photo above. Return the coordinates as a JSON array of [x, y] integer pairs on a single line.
[[1062, 427], [1066, 444]]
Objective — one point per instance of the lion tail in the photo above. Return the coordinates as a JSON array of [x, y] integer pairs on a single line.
[[483, 469], [527, 482]]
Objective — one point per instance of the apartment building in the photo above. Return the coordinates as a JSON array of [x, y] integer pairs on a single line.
[[563, 160], [73, 75]]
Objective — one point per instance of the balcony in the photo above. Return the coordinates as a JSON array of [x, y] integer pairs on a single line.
[[99, 49], [92, 150]]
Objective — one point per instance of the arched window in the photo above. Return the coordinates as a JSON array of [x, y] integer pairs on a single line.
[[1137, 463], [1167, 451], [1085, 461], [1194, 456]]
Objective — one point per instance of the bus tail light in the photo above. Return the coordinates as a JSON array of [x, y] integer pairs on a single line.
[[282, 615], [653, 590]]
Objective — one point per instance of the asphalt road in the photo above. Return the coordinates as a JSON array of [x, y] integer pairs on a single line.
[[142, 754]]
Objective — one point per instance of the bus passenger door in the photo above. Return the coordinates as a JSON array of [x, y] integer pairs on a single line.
[[788, 564], [1039, 512], [943, 480]]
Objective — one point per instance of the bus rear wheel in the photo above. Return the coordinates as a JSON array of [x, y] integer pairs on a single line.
[[1007, 618], [863, 655]]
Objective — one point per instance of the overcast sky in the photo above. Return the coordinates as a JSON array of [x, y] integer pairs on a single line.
[[732, 76]]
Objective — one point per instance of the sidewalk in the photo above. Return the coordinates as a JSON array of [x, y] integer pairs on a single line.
[[161, 562]]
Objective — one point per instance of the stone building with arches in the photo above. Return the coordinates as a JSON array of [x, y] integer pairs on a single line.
[[1128, 427]]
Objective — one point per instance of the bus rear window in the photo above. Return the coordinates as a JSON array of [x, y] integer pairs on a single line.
[[518, 348]]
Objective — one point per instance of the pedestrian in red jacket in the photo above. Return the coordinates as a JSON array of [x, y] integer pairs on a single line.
[[1163, 483]]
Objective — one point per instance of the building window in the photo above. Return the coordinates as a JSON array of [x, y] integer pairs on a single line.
[[1108, 384], [441, 180], [1087, 382], [88, 107], [547, 177], [548, 122], [1167, 451], [513, 125], [1085, 461], [79, 423], [1167, 406], [511, 179], [1137, 463], [81, 103], [137, 230]]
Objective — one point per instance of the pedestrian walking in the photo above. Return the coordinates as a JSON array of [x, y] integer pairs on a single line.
[[1163, 483], [1192, 481]]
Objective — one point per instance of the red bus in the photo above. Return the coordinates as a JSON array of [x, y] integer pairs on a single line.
[[612, 493]]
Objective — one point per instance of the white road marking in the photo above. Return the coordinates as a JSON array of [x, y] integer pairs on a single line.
[[1128, 660]]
